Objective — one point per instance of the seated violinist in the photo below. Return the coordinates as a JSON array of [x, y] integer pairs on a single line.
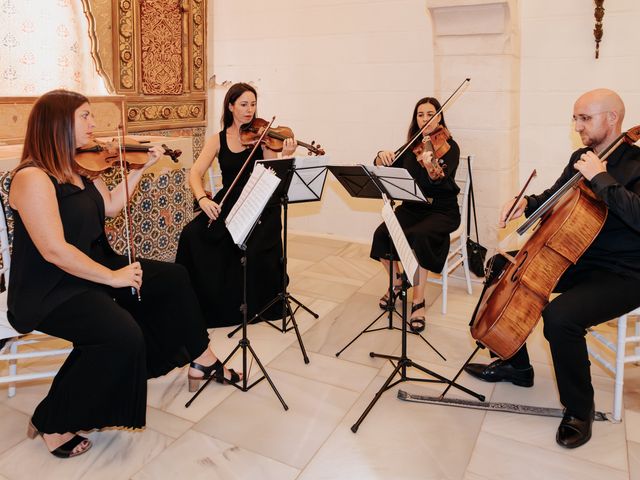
[[66, 281], [427, 226], [206, 248], [605, 281]]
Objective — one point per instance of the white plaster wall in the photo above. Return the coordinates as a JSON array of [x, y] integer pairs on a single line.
[[348, 72], [344, 73], [558, 65]]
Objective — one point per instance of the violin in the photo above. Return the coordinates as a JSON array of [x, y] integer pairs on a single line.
[[98, 156], [435, 142], [250, 134]]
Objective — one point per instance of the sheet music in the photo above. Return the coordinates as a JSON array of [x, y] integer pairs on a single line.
[[255, 195], [308, 179], [398, 182], [407, 258]]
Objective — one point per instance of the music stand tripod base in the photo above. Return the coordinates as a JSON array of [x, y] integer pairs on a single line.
[[403, 362]]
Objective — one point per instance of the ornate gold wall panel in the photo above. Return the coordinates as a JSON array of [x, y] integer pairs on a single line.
[[161, 58], [153, 52]]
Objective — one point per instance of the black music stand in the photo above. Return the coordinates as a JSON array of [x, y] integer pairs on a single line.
[[363, 181], [299, 184], [379, 180], [244, 342]]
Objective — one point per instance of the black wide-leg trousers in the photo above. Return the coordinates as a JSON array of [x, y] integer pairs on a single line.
[[588, 296], [120, 342]]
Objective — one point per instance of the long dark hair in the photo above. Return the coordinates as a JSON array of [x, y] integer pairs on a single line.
[[230, 98], [50, 141], [413, 126]]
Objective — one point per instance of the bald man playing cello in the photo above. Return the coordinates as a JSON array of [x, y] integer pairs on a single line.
[[604, 283]]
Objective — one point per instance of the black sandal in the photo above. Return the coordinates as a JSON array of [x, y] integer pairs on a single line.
[[417, 324], [66, 450], [384, 300], [220, 378], [194, 382]]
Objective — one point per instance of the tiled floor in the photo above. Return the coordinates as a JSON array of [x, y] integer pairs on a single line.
[[229, 434]]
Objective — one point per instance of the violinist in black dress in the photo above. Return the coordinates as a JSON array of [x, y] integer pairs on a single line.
[[66, 281], [206, 248], [427, 226]]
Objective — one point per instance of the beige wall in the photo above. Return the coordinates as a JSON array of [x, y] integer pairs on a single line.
[[347, 74], [558, 64]]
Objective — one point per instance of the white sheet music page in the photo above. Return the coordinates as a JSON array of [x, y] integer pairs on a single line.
[[308, 179], [255, 195], [407, 258]]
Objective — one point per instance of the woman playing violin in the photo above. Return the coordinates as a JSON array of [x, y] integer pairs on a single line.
[[209, 253], [427, 226], [66, 281]]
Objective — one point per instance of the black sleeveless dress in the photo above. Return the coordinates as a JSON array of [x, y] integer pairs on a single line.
[[213, 259], [427, 227], [119, 342]]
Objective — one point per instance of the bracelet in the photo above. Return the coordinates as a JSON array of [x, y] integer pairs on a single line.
[[198, 200]]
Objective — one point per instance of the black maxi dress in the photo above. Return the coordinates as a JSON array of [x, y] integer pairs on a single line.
[[427, 227], [119, 342], [213, 259]]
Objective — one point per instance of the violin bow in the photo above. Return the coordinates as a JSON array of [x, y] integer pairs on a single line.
[[128, 227], [244, 165], [519, 196], [442, 108], [498, 249]]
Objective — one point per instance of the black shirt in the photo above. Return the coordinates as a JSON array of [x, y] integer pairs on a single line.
[[617, 246]]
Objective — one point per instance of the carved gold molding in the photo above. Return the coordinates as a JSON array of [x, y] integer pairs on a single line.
[[198, 45], [94, 33], [126, 50], [160, 114]]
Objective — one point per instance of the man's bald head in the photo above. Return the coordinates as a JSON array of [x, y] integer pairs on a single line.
[[602, 100], [598, 116]]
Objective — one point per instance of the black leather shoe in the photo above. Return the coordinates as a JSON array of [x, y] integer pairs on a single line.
[[501, 371], [574, 432]]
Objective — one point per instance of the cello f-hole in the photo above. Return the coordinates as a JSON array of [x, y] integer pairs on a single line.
[[514, 277]]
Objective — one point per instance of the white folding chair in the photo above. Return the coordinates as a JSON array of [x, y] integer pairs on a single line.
[[619, 349], [215, 178], [10, 340], [457, 256]]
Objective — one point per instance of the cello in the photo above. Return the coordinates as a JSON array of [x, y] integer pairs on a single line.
[[565, 226]]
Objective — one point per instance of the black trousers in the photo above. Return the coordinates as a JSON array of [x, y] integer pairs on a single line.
[[589, 296], [120, 342]]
